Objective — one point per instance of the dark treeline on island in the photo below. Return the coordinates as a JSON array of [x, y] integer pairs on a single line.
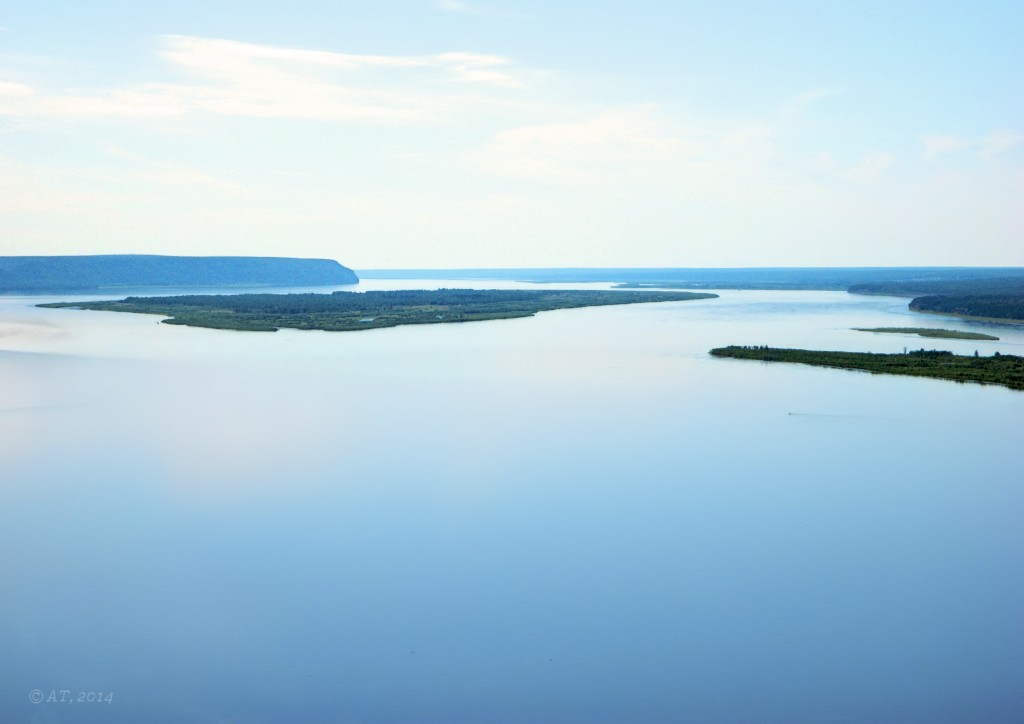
[[62, 274], [347, 311], [986, 306], [1000, 298], [1012, 284], [1006, 370]]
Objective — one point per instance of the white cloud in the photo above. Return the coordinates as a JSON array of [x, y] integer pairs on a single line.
[[622, 145], [151, 101], [823, 161], [10, 88], [1001, 141], [458, 7], [486, 154], [605, 145], [940, 145], [244, 79], [237, 61], [989, 146], [870, 167], [144, 170], [795, 107]]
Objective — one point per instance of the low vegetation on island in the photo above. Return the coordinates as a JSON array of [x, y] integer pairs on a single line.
[[348, 311], [999, 369], [928, 332]]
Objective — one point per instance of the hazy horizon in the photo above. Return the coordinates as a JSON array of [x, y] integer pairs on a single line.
[[469, 267]]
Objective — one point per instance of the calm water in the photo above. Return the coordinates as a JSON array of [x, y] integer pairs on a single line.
[[578, 517]]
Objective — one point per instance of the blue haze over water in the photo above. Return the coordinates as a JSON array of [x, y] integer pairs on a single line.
[[579, 516]]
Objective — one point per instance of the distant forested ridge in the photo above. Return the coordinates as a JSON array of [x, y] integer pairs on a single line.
[[1006, 370], [61, 274], [1007, 284], [992, 306], [996, 297], [348, 311], [811, 278]]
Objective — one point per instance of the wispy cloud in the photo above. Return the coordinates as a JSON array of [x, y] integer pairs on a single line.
[[936, 146], [607, 144], [1001, 141], [989, 146], [245, 79], [11, 88], [870, 167], [233, 60], [627, 141], [478, 146], [799, 104], [456, 6], [146, 170], [460, 7]]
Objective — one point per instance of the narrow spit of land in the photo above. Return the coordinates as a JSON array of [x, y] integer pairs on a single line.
[[928, 332], [1005, 370], [349, 311]]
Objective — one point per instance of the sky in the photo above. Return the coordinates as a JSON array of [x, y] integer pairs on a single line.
[[491, 133]]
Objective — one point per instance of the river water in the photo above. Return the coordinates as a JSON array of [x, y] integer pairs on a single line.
[[579, 516]]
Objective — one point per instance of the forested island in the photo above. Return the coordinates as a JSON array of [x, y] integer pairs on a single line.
[[1002, 307], [98, 273], [998, 298], [999, 369], [348, 311], [928, 332], [1007, 283]]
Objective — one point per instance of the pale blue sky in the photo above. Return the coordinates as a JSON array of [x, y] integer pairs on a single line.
[[492, 133]]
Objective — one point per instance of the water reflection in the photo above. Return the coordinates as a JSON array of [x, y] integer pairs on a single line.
[[578, 516]]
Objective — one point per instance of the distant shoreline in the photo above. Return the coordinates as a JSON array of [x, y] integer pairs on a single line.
[[105, 273]]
